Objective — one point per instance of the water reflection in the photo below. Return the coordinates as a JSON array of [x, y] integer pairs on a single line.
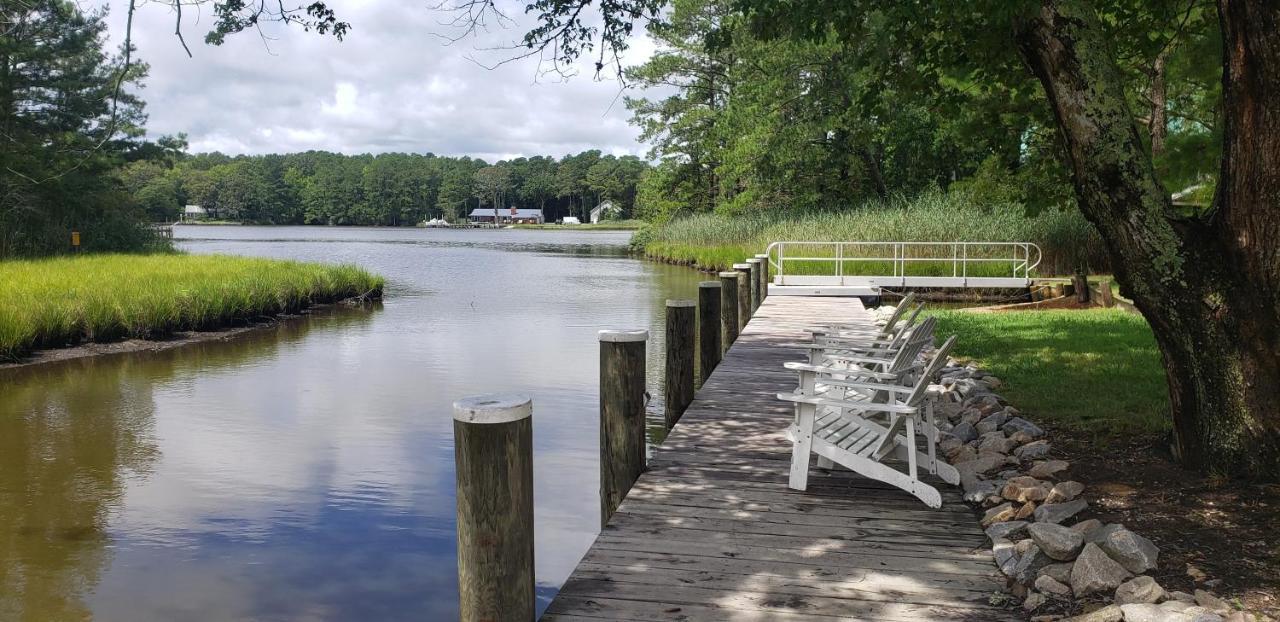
[[306, 472]]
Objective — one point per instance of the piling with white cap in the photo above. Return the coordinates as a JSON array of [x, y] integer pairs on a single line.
[[728, 309], [764, 276], [622, 415], [493, 456], [678, 385], [744, 294], [709, 348], [756, 284]]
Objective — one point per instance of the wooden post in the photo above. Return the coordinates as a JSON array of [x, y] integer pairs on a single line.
[[709, 348], [622, 439], [679, 373], [728, 309], [757, 295], [764, 276], [1056, 290], [493, 456], [744, 294], [1082, 288], [1104, 293]]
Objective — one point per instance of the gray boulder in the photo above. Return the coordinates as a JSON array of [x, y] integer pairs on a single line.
[[1029, 565], [1058, 542], [964, 431], [1095, 572], [992, 422], [1058, 512], [1018, 424], [1048, 469], [1031, 451], [1087, 528], [1058, 572], [1012, 530], [976, 490], [1053, 587], [1136, 553], [994, 442], [1142, 589], [1064, 491], [1110, 613], [1006, 555]]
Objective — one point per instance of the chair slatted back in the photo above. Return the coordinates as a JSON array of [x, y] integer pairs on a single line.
[[922, 383]]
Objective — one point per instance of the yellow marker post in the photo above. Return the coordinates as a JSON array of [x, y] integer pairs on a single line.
[[75, 240]]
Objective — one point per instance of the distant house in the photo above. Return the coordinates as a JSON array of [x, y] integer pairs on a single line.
[[507, 216], [605, 211], [194, 212]]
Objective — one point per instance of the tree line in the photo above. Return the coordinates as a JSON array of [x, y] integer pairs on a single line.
[[760, 118], [390, 189]]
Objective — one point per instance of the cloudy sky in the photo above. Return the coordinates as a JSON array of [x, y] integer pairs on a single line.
[[392, 85]]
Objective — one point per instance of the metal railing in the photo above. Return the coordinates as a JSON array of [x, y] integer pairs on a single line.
[[1021, 258]]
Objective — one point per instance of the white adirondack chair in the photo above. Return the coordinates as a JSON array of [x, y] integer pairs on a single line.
[[859, 433]]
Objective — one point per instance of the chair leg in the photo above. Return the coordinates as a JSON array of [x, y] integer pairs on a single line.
[[801, 447], [932, 433]]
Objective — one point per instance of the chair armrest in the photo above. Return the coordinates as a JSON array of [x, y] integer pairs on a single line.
[[861, 405], [857, 373]]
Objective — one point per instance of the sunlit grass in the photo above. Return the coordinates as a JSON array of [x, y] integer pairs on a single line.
[[1094, 370], [713, 241], [57, 302]]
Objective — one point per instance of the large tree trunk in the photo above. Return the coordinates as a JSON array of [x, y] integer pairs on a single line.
[[1210, 286]]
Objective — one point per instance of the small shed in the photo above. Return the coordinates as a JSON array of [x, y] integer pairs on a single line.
[[194, 212], [606, 210]]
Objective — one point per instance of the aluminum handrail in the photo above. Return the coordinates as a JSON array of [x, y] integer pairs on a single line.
[[1023, 257]]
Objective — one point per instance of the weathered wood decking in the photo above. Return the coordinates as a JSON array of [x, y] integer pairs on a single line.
[[711, 531]]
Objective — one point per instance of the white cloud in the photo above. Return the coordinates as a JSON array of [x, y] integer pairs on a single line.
[[392, 85]]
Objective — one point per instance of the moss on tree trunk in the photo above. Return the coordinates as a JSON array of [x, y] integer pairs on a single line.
[[1209, 285]]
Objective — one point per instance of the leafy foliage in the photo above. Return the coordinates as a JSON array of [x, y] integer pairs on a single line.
[[68, 120]]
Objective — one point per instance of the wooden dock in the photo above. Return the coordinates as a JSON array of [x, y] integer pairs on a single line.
[[711, 531]]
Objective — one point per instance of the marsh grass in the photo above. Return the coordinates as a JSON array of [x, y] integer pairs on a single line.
[[1097, 371], [715, 242], [63, 301]]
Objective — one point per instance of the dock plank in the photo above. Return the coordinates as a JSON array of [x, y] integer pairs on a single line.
[[711, 531]]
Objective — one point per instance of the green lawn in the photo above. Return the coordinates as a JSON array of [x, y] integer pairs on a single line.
[[1097, 371], [56, 302]]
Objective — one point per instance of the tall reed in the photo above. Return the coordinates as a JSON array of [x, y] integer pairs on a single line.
[[714, 241], [57, 302]]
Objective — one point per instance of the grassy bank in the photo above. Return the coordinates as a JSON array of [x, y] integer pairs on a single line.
[[716, 242], [57, 302], [1097, 371]]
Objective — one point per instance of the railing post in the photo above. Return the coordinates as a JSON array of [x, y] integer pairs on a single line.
[[728, 309], [756, 284], [744, 294], [764, 276], [622, 439], [678, 389], [493, 457], [709, 347]]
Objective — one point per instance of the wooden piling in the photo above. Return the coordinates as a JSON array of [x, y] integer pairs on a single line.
[[622, 435], [756, 284], [744, 294], [493, 455], [764, 276], [1082, 288], [728, 309], [679, 371], [709, 348], [1104, 293]]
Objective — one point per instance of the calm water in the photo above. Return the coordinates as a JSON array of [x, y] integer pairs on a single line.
[[305, 472]]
